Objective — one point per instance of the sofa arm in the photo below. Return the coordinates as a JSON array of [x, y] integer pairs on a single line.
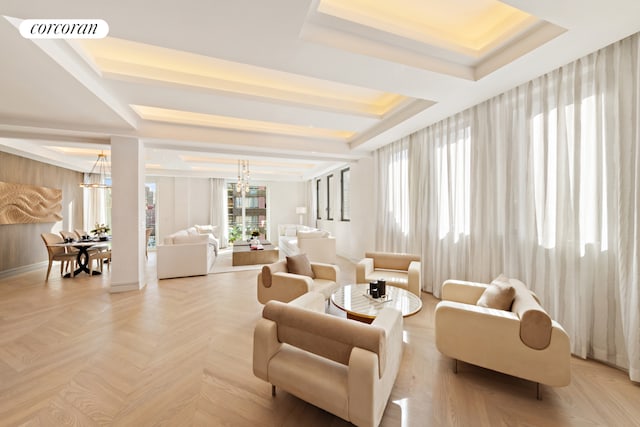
[[325, 271], [364, 268], [265, 346], [462, 291], [414, 284], [284, 287], [181, 260], [368, 390]]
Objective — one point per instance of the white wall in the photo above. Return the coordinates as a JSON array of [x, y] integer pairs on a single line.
[[184, 202], [353, 237], [283, 199]]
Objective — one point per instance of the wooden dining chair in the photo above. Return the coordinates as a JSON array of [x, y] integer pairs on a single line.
[[57, 253]]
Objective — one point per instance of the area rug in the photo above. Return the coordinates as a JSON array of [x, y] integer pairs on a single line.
[[222, 263]]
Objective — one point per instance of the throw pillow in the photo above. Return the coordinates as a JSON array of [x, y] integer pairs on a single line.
[[499, 294], [299, 264]]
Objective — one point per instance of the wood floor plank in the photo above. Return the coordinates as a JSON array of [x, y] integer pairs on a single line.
[[178, 353]]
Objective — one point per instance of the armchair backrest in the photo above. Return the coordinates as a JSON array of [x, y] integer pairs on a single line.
[[50, 239], [392, 261], [324, 335]]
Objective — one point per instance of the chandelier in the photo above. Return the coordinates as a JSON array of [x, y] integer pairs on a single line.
[[100, 175], [242, 186]]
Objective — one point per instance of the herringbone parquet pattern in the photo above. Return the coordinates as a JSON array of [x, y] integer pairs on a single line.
[[178, 353]]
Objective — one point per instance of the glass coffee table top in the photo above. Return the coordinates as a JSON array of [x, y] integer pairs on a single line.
[[354, 300]]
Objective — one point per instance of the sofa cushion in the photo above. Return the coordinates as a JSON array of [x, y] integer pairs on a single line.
[[299, 264], [535, 323], [499, 294], [390, 261], [207, 229], [193, 238], [268, 270]]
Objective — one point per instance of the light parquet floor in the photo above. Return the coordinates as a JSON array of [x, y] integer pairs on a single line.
[[178, 353]]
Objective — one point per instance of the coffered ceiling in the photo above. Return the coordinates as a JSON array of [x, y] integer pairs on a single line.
[[295, 86]]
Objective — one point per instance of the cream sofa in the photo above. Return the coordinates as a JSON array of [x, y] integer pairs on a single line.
[[295, 239], [523, 342], [345, 367], [401, 270], [186, 253], [276, 283]]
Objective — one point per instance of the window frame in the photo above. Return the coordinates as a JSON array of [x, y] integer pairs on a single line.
[[342, 199], [329, 181], [318, 215]]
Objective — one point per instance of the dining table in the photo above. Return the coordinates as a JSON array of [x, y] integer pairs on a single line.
[[83, 258]]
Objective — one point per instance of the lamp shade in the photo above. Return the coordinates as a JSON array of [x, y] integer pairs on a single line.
[[301, 210]]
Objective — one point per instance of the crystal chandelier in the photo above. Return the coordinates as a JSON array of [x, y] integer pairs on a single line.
[[242, 186], [100, 175]]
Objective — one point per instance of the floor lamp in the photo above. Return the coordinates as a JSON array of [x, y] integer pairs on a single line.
[[301, 211]]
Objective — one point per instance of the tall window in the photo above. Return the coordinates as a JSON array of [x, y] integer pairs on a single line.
[[329, 185], [255, 212], [345, 200], [150, 196], [318, 199]]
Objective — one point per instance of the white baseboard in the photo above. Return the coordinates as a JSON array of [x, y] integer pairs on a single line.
[[23, 269]]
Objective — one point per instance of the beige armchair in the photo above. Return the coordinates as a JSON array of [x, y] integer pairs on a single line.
[[523, 342], [276, 283], [401, 270], [345, 367]]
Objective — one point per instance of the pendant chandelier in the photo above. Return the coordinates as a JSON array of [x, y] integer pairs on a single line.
[[100, 175], [242, 186]]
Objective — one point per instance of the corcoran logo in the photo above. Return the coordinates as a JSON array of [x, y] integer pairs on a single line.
[[64, 28]]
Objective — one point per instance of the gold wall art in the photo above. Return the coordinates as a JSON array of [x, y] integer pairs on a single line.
[[28, 204]]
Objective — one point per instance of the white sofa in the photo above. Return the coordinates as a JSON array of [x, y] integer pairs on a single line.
[[319, 245], [345, 367], [523, 341], [186, 253]]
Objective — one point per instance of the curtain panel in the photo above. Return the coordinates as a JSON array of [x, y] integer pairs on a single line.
[[219, 209], [541, 183]]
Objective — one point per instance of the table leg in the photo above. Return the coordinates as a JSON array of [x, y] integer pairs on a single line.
[[83, 262]]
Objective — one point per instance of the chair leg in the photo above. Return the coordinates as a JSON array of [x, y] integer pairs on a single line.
[[48, 271], [273, 390]]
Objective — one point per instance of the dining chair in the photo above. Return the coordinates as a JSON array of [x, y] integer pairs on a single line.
[[80, 233], [57, 253], [100, 256]]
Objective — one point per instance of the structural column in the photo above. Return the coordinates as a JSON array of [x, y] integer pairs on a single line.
[[127, 214]]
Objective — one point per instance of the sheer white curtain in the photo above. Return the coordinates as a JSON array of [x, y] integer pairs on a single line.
[[392, 181], [219, 209], [541, 183], [95, 207]]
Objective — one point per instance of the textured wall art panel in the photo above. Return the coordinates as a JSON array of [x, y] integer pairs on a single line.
[[28, 204]]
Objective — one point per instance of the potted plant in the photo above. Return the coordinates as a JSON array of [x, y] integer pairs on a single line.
[[101, 231]]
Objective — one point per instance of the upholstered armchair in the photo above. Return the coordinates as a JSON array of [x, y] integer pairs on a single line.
[[401, 270], [345, 367], [502, 326], [280, 282]]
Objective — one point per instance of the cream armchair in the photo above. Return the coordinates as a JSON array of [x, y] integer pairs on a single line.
[[523, 342], [345, 367], [401, 270], [276, 283]]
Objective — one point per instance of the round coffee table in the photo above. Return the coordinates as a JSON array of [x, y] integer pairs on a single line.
[[354, 300]]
